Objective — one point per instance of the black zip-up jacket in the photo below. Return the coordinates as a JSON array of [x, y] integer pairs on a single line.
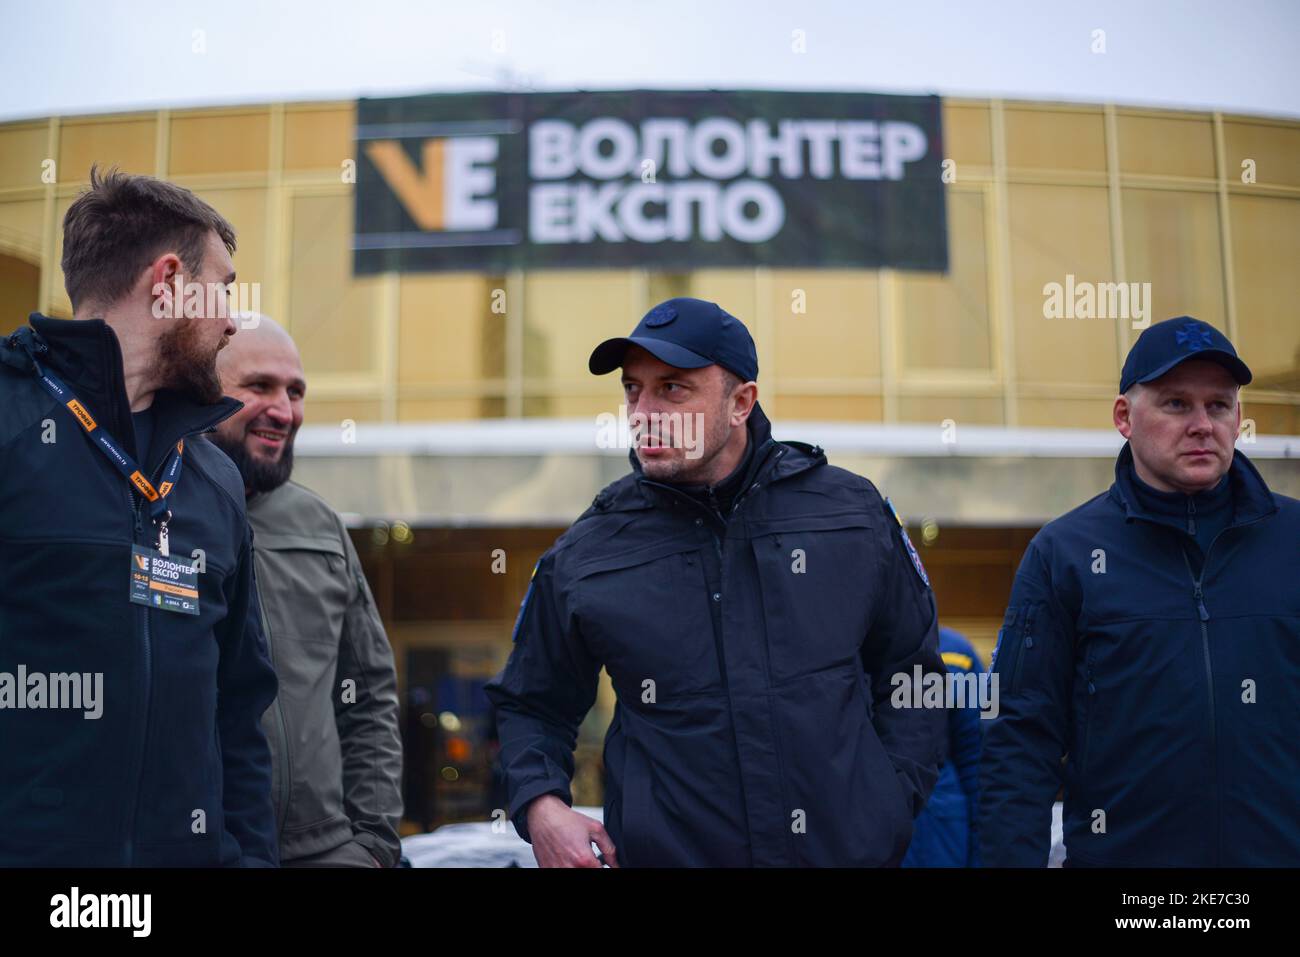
[[175, 770], [754, 658]]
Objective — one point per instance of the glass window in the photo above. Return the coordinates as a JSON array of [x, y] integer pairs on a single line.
[[1272, 418], [1171, 145], [1067, 413], [962, 409], [448, 333], [1060, 235], [1275, 150], [945, 319], [245, 209], [332, 315], [1051, 139], [128, 144], [1171, 240], [450, 409], [567, 313], [21, 227], [967, 135], [22, 151], [318, 139], [224, 143], [1265, 238], [324, 411], [793, 407], [826, 324]]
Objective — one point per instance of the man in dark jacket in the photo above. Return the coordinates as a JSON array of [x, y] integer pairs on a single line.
[[754, 607], [336, 751], [126, 557], [1153, 641]]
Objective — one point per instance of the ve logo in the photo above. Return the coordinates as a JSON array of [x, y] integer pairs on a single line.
[[455, 186]]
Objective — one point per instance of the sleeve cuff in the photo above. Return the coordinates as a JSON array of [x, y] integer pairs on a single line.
[[526, 796]]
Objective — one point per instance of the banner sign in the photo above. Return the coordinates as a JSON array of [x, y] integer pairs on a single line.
[[674, 180]]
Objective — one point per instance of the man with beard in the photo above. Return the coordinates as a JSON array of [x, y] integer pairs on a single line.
[[126, 557], [335, 747], [756, 609]]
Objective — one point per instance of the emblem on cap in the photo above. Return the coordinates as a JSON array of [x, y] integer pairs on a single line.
[[1194, 336], [660, 316]]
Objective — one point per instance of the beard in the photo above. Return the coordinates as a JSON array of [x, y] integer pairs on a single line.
[[682, 470], [259, 475], [186, 365]]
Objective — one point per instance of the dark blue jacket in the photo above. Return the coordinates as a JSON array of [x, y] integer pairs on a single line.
[[944, 833], [1175, 698], [183, 695], [752, 658]]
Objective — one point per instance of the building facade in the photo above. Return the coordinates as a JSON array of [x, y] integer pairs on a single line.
[[451, 415]]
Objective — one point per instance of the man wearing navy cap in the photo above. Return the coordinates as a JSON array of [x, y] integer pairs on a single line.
[[1153, 642], [753, 606]]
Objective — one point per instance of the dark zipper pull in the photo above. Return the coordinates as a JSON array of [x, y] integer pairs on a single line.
[[1191, 516], [1200, 604]]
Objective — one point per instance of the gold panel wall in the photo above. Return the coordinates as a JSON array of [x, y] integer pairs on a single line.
[[1203, 207]]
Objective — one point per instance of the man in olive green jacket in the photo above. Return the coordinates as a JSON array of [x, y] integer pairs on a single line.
[[335, 748]]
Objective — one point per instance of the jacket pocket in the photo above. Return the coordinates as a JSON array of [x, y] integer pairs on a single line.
[[646, 614], [816, 578], [1015, 643]]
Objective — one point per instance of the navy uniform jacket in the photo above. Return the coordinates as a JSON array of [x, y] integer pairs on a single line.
[[183, 695], [1175, 699], [753, 724]]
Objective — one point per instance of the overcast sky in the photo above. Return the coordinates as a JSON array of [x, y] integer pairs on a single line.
[[67, 56]]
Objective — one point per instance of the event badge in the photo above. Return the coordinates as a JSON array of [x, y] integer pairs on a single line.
[[162, 582]]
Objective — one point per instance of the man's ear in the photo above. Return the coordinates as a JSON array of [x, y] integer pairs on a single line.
[[162, 286], [1122, 415], [745, 397]]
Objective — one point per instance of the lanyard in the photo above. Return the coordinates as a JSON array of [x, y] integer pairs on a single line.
[[157, 497]]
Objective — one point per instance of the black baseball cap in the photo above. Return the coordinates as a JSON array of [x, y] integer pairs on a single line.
[[1166, 344], [688, 334]]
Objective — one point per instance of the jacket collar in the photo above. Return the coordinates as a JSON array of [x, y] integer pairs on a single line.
[[1251, 497], [85, 353]]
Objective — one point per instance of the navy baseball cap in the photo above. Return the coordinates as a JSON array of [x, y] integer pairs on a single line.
[[688, 334], [1166, 344]]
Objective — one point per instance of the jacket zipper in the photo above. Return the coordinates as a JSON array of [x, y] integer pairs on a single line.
[[1026, 642], [1203, 614], [722, 664], [146, 640], [148, 696]]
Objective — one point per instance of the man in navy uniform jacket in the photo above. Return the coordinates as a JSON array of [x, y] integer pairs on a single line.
[[1153, 640]]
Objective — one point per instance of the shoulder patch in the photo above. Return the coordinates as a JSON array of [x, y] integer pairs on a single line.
[[907, 544], [523, 605]]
